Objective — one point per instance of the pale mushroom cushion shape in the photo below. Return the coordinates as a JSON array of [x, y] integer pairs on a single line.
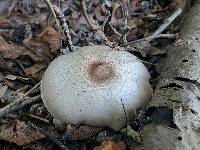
[[72, 95]]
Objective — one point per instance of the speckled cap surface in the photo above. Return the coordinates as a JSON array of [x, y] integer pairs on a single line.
[[91, 85]]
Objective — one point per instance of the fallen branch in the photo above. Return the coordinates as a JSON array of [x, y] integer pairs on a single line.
[[167, 22], [52, 10], [27, 101], [173, 113], [65, 28], [10, 9], [95, 27], [150, 38], [89, 20], [14, 105], [157, 33]]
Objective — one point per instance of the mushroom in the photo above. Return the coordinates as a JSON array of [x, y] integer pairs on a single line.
[[96, 86]]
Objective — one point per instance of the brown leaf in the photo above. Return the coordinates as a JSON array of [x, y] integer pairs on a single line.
[[35, 71], [13, 51], [52, 38], [39, 48], [5, 23], [45, 43], [19, 133], [110, 145]]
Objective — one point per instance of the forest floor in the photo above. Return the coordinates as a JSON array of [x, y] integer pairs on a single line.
[[31, 36]]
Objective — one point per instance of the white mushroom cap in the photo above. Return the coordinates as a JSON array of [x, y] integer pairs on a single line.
[[88, 86]]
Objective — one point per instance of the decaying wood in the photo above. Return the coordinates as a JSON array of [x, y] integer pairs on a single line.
[[174, 112]]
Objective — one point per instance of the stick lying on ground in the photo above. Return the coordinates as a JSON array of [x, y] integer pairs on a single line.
[[19, 103]]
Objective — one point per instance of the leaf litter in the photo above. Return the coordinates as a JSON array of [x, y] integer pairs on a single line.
[[30, 40]]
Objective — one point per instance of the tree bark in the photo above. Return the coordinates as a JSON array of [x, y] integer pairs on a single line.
[[173, 115]]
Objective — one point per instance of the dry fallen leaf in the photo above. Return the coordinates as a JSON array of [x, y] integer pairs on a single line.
[[44, 44], [51, 37], [19, 133], [13, 51], [110, 145], [36, 71]]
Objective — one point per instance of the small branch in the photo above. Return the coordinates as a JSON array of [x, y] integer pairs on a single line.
[[51, 135], [64, 25], [10, 9], [106, 20], [150, 38], [168, 21], [114, 30], [157, 33], [89, 20], [95, 26], [38, 118], [52, 10], [27, 101], [13, 106]]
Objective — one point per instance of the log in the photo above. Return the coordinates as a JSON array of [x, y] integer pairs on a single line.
[[173, 115]]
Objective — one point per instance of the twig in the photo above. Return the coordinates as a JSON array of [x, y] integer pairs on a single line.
[[64, 25], [95, 26], [51, 135], [150, 38], [10, 9], [27, 101], [38, 118], [157, 33], [106, 20], [52, 10], [114, 30], [13, 106], [89, 20], [167, 22]]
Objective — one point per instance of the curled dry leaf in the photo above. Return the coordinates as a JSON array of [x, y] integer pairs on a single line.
[[52, 38], [110, 145], [44, 44], [19, 133], [13, 51]]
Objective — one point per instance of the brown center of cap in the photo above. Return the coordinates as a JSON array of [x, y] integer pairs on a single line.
[[99, 71]]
